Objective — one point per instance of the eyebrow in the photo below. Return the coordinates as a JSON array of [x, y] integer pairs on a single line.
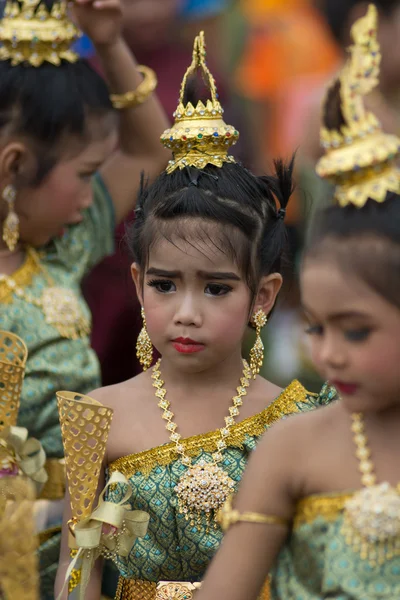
[[217, 275], [349, 314]]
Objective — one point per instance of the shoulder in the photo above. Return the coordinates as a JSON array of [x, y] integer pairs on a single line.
[[116, 396]]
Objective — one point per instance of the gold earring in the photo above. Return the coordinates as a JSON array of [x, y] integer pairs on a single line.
[[11, 224], [144, 347], [257, 351]]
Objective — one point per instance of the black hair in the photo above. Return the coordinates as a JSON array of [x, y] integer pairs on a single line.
[[363, 241], [337, 12], [48, 102], [245, 212]]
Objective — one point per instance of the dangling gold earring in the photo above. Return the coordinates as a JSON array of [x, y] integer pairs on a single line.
[[257, 351], [11, 224], [144, 347]]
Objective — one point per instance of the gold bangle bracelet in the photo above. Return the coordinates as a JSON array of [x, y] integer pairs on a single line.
[[228, 516], [138, 96]]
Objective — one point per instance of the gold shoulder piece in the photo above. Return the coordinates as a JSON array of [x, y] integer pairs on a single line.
[[199, 136], [13, 356], [359, 157], [228, 516], [31, 33]]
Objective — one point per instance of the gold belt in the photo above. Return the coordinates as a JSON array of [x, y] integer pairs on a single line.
[[54, 488], [137, 589]]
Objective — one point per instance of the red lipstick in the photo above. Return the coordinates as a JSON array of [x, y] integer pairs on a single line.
[[348, 389], [187, 345]]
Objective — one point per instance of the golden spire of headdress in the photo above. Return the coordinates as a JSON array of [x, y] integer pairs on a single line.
[[199, 135], [359, 158], [31, 33]]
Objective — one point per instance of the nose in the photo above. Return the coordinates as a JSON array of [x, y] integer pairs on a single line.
[[188, 312], [331, 353], [87, 199]]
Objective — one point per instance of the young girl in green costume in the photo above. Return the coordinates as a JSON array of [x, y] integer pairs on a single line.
[[207, 241], [303, 515], [71, 156]]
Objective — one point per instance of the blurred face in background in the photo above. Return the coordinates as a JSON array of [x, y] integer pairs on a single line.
[[148, 23]]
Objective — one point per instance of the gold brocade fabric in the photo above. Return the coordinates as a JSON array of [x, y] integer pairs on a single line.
[[173, 548], [317, 562]]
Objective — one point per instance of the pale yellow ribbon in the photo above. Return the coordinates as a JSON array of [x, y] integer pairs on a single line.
[[29, 454], [90, 539]]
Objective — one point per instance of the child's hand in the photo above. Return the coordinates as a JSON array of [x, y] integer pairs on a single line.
[[101, 20]]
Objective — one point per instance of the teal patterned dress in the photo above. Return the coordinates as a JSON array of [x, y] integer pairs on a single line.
[[317, 562], [173, 549]]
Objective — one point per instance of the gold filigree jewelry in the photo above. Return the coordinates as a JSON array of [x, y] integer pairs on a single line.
[[371, 517], [199, 136], [11, 223], [228, 516], [360, 159], [257, 351], [60, 306], [13, 356], [138, 96], [205, 486], [31, 33], [144, 347]]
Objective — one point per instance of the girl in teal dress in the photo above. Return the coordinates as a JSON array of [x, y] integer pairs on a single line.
[[303, 516], [71, 153], [207, 246]]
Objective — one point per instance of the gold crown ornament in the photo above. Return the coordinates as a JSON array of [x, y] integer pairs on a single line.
[[359, 157], [32, 33], [199, 136]]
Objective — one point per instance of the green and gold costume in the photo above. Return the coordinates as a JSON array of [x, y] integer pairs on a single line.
[[317, 563], [174, 549]]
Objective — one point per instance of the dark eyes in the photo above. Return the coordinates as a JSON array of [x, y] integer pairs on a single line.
[[165, 286], [352, 335]]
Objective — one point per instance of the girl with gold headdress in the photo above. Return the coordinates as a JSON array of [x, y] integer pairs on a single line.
[[324, 517], [207, 244], [71, 153]]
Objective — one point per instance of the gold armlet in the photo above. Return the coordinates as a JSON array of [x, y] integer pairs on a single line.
[[138, 96], [228, 516]]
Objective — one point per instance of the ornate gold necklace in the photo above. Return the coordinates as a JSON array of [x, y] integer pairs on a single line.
[[59, 305], [372, 516], [205, 486]]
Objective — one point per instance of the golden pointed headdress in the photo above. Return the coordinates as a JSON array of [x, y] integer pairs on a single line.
[[199, 136], [359, 157], [31, 33]]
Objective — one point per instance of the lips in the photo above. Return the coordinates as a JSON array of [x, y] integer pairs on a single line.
[[347, 389], [187, 345]]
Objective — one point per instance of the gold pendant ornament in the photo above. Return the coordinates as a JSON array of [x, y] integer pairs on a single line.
[[11, 223], [257, 351], [60, 306], [371, 517], [205, 486], [144, 347]]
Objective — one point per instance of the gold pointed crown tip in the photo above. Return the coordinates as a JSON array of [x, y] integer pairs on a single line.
[[199, 135], [359, 157], [31, 33]]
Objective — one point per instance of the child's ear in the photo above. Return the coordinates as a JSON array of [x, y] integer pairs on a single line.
[[138, 281], [268, 291]]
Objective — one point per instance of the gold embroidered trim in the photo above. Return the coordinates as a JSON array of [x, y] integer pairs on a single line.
[[328, 507], [254, 426], [23, 277]]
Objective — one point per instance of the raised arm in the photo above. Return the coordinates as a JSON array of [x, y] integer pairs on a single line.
[[249, 549], [139, 148]]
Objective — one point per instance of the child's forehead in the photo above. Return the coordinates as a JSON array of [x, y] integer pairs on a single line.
[[190, 253]]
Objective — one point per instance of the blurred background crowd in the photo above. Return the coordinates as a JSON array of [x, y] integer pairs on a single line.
[[272, 60]]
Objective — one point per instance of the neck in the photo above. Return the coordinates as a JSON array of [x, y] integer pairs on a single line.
[[225, 374]]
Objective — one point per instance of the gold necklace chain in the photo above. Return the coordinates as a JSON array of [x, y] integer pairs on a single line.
[[371, 518], [205, 486], [59, 305]]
